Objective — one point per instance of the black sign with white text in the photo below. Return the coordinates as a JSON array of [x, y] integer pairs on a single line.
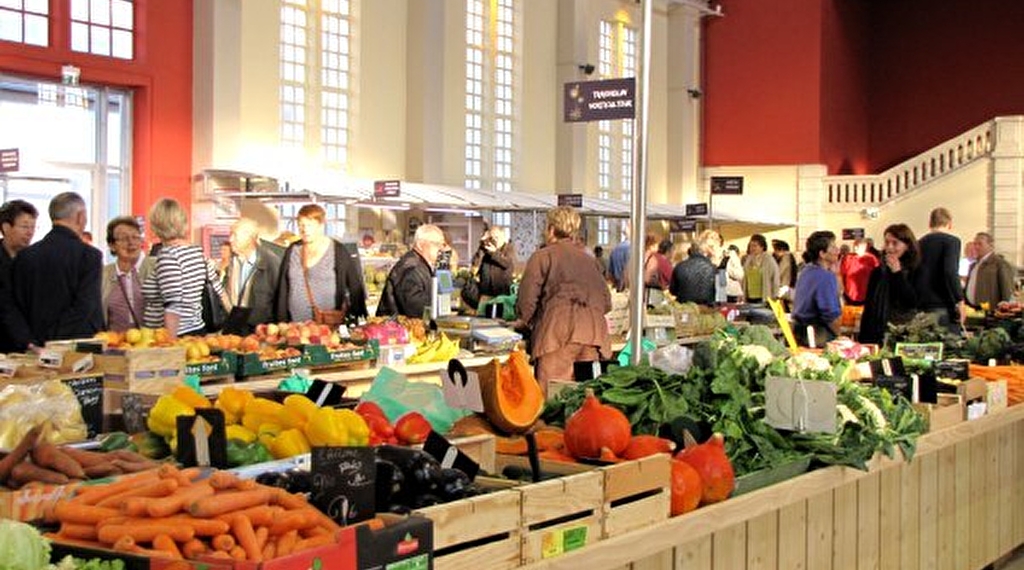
[[726, 184], [603, 100]]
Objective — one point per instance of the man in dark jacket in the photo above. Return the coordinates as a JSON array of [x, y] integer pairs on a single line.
[[57, 281], [407, 290], [497, 260], [693, 279], [250, 279], [937, 279], [18, 225]]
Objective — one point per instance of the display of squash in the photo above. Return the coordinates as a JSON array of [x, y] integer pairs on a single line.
[[513, 399], [687, 488], [595, 428], [644, 445], [713, 466]]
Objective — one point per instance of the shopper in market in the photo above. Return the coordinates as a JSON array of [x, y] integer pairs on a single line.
[[618, 262], [318, 271], [760, 272], [693, 279], [787, 269], [121, 287], [18, 226], [816, 309], [407, 289], [56, 282], [856, 268], [891, 298], [990, 280], [494, 263], [253, 269], [936, 280], [654, 285], [730, 268], [563, 301], [173, 291]]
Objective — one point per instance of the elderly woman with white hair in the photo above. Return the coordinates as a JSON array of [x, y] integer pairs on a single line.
[[407, 290]]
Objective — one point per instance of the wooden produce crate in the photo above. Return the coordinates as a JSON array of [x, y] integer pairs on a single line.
[[480, 448], [561, 515], [478, 532], [948, 411], [221, 370], [637, 494], [250, 364], [150, 370], [319, 356]]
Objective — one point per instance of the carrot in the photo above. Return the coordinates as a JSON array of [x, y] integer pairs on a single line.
[[227, 502], [262, 534], [26, 472], [125, 544], [134, 506], [203, 527], [97, 493], [246, 536], [220, 554], [101, 470], [223, 480], [72, 512], [313, 542], [168, 471], [262, 515], [156, 489], [238, 553], [270, 551], [292, 501], [246, 485], [190, 473], [84, 457], [179, 500], [223, 542], [133, 466], [46, 454], [193, 548], [144, 532], [286, 543], [18, 454], [164, 543], [312, 531], [293, 520], [79, 531]]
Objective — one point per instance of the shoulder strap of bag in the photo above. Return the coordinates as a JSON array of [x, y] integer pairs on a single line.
[[131, 309], [305, 277]]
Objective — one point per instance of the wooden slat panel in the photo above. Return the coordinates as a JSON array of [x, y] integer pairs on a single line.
[[962, 546], [889, 523], [844, 527], [729, 549], [929, 506], [694, 555], [979, 504], [793, 536], [819, 531], [910, 507], [946, 533], [1018, 509], [868, 513], [660, 561], [763, 542], [1005, 485], [992, 550]]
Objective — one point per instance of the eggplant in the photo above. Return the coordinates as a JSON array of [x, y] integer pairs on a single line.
[[453, 485], [425, 500], [390, 481], [299, 481], [273, 479], [398, 509]]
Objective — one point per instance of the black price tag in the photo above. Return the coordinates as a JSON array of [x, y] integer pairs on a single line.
[[450, 456], [325, 394], [89, 391], [890, 374], [590, 370], [344, 482], [202, 440]]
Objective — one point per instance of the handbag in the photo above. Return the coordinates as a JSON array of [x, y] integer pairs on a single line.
[[214, 312], [329, 317]]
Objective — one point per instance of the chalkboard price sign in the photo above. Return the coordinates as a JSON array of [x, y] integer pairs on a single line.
[[344, 481], [89, 391]]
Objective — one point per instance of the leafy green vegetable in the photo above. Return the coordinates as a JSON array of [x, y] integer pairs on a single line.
[[22, 547], [72, 563]]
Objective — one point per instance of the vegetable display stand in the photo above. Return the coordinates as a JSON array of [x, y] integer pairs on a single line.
[[132, 561], [477, 532], [637, 494], [150, 370], [561, 515], [959, 504], [947, 412], [321, 357], [250, 364], [33, 503], [221, 371]]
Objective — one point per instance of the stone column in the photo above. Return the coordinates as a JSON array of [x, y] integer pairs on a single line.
[[810, 188], [1007, 214]]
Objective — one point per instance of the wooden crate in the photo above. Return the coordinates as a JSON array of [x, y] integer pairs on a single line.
[[948, 411], [148, 370], [561, 515], [637, 494], [479, 448], [478, 532]]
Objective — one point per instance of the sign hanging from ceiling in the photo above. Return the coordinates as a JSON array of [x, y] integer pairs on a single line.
[[387, 188], [603, 100], [697, 210], [571, 200], [9, 160], [726, 184]]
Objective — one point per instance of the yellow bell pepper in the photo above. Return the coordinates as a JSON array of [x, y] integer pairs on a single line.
[[190, 397], [232, 402], [240, 433], [263, 407], [290, 443], [162, 418], [267, 433], [252, 422], [358, 431], [289, 418], [326, 428], [301, 405]]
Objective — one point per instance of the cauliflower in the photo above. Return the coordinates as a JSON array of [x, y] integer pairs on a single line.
[[807, 365], [763, 356]]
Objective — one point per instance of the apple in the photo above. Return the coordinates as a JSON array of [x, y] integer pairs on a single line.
[[261, 329], [273, 329], [273, 339]]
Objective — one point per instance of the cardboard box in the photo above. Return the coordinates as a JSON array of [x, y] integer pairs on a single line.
[[405, 542], [949, 411]]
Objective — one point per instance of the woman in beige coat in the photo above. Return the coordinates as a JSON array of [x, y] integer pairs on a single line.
[[563, 300]]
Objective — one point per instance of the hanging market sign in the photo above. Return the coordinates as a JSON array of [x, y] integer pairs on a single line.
[[853, 233], [9, 160], [603, 100], [571, 200], [697, 210], [387, 188], [682, 225], [726, 184]]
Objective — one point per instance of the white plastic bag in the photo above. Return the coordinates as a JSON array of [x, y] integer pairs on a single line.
[[674, 359]]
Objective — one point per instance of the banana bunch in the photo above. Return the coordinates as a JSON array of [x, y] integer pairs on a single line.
[[441, 349]]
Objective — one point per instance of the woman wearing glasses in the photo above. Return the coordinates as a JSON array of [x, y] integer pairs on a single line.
[[123, 278]]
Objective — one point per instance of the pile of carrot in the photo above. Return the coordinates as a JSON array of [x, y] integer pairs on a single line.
[[171, 512], [35, 460], [1014, 376]]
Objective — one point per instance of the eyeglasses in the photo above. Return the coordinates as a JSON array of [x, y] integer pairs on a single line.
[[128, 239], [26, 227]]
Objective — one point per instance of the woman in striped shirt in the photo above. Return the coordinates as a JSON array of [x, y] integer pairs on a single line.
[[173, 291]]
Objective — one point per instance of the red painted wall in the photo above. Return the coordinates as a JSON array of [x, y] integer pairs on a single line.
[[941, 67], [844, 75], [762, 83], [161, 78]]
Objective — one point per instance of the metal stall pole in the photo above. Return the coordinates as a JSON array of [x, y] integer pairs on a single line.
[[638, 198]]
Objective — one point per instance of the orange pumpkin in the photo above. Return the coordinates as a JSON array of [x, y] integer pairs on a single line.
[[687, 488], [713, 466], [513, 399], [595, 426], [644, 445]]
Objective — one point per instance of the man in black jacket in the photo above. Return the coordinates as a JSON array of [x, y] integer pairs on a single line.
[[56, 282], [18, 225], [250, 279], [407, 290], [937, 280]]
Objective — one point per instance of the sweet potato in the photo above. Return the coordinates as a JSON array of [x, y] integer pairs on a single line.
[[18, 454], [26, 472], [45, 454]]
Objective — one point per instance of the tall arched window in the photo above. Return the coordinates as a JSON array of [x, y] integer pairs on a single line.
[[617, 57]]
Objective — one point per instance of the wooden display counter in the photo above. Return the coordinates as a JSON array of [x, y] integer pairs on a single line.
[[959, 505]]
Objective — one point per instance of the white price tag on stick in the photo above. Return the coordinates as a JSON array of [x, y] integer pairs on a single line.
[[800, 405], [461, 387]]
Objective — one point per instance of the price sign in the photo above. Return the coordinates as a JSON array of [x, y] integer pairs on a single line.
[[202, 440], [450, 456], [461, 387], [325, 394], [89, 391], [344, 482]]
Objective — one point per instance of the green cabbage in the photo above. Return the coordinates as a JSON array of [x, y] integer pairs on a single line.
[[22, 547]]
